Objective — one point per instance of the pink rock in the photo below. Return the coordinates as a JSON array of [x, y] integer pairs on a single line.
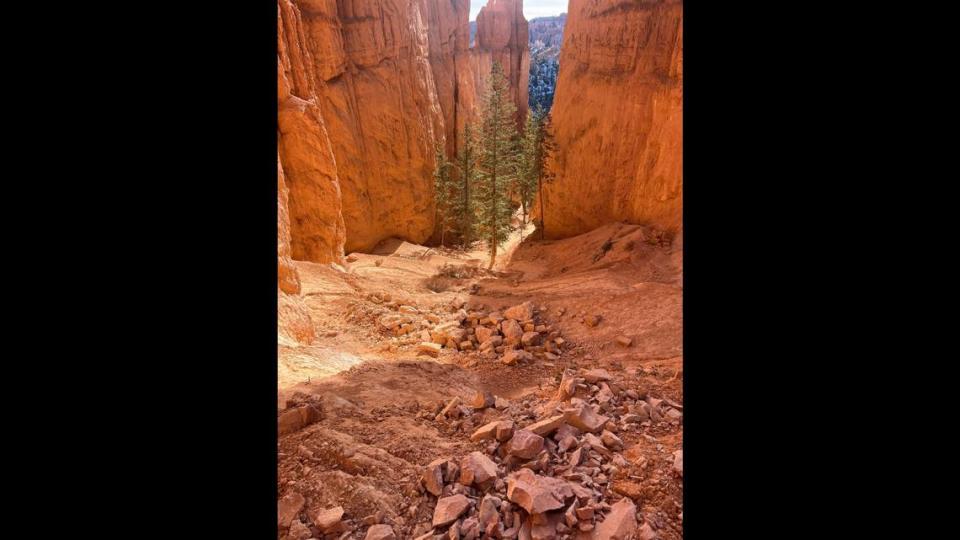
[[288, 508], [521, 312], [432, 477], [596, 375], [525, 444], [546, 426], [328, 519], [512, 333], [476, 468], [530, 339], [532, 492], [583, 418], [380, 532], [620, 523]]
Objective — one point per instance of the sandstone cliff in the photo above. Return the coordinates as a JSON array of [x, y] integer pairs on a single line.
[[366, 89], [381, 109], [293, 317], [306, 160], [618, 117]]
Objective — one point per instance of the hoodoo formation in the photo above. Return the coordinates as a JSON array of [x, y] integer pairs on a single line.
[[502, 36], [618, 117], [367, 88]]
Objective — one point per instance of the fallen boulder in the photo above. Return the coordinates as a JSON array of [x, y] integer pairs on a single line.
[[449, 509]]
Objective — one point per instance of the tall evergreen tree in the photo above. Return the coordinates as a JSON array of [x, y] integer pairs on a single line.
[[443, 192], [528, 162], [497, 162], [463, 204]]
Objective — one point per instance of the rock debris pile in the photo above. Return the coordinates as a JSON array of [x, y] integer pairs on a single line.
[[554, 470], [515, 335]]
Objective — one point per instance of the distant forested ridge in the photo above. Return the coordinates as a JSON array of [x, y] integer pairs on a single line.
[[546, 35]]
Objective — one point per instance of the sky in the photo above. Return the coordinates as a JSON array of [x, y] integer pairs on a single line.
[[531, 8]]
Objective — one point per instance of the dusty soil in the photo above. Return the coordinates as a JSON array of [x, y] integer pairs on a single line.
[[378, 398]]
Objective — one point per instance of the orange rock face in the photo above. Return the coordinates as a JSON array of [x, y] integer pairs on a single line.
[[307, 164], [502, 36], [366, 89], [287, 278], [618, 117], [382, 112]]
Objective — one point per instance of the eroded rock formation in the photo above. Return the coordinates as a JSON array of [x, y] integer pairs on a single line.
[[306, 161], [618, 117], [367, 88], [293, 317], [502, 36]]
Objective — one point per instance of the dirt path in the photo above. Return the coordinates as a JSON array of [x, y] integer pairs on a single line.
[[379, 399]]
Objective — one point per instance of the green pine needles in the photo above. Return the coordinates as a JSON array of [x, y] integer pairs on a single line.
[[496, 169]]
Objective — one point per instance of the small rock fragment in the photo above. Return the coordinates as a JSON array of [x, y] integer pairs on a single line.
[[531, 492], [611, 440], [430, 348], [512, 357], [449, 509], [530, 339], [452, 407], [594, 376], [288, 508], [476, 468], [329, 520], [432, 477], [380, 532], [546, 426], [525, 444], [512, 333], [582, 417], [646, 532], [482, 400], [620, 523], [521, 312]]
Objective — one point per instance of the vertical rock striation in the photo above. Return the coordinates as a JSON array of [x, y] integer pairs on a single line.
[[618, 117], [366, 89], [503, 36], [306, 161]]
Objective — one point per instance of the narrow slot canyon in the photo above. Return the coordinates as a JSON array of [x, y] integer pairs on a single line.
[[425, 389]]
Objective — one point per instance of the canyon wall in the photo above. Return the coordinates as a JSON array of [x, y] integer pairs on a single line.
[[382, 112], [367, 88], [306, 162], [618, 117]]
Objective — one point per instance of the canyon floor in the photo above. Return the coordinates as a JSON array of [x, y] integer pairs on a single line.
[[382, 412]]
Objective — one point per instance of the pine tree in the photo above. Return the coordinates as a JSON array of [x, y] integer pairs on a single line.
[[443, 192], [497, 163], [529, 163], [463, 204], [546, 147]]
